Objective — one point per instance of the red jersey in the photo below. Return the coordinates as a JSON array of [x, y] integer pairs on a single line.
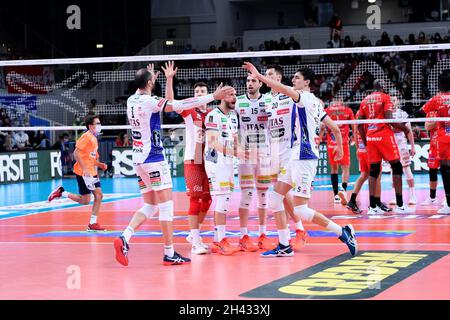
[[373, 107], [360, 146], [432, 133], [195, 134], [339, 112], [441, 105]]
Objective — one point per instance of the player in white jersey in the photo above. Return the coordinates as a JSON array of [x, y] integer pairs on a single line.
[[221, 148], [254, 170], [302, 166], [143, 112], [281, 124], [405, 153]]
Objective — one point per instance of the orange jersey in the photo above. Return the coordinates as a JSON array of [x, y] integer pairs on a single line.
[[339, 112], [432, 133], [87, 147], [360, 146], [373, 107], [441, 105]]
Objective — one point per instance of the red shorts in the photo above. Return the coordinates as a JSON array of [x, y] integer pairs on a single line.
[[433, 157], [345, 161], [382, 147], [196, 179], [364, 165], [443, 149]]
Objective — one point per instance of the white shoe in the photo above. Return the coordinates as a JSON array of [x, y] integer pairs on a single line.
[[404, 210], [198, 248], [343, 197], [412, 199], [430, 202], [393, 201], [190, 239], [337, 199], [444, 202], [374, 211], [444, 210]]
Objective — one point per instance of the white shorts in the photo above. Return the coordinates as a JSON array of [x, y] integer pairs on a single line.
[[153, 176], [405, 156], [258, 174], [220, 177], [279, 165], [300, 175]]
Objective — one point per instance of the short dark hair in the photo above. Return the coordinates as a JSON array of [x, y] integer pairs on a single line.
[[142, 77], [200, 84], [307, 73], [444, 81], [90, 119], [278, 69], [379, 85]]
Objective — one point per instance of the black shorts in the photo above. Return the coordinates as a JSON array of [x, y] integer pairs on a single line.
[[82, 188]]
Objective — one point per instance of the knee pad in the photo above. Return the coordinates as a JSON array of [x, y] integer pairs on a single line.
[[304, 213], [223, 203], [206, 202], [276, 202], [166, 211], [397, 169], [375, 170], [246, 198], [407, 171], [262, 199], [148, 210], [433, 174], [194, 206]]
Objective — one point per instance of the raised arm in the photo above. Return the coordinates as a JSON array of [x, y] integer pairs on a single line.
[[169, 72]]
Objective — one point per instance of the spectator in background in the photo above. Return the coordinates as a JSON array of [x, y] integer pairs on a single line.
[[411, 39], [292, 44], [398, 41], [363, 42], [422, 39], [41, 141], [335, 43], [335, 26], [21, 140], [9, 143], [437, 38], [385, 40], [347, 42], [92, 107], [123, 140]]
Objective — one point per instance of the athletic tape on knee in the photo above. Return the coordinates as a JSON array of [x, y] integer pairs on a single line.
[[375, 170], [246, 198], [262, 199], [433, 174], [166, 211], [223, 203], [206, 202], [407, 171], [194, 206], [276, 202], [148, 210], [397, 169], [304, 213]]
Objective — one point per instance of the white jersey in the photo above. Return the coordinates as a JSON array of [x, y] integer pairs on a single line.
[[399, 134], [253, 122], [143, 113], [281, 124], [227, 126], [310, 112]]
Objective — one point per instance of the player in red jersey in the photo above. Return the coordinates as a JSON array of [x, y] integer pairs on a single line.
[[338, 111], [194, 167], [441, 105], [380, 143]]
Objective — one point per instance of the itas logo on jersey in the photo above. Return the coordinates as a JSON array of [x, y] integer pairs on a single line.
[[276, 122], [255, 126]]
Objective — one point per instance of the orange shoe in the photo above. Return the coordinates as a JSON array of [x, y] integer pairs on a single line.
[[224, 247], [245, 244], [300, 239], [95, 227], [264, 243]]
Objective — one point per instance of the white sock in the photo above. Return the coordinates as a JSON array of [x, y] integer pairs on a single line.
[[244, 231], [128, 233], [195, 234], [169, 251], [283, 236], [299, 225], [262, 229], [65, 194], [412, 192], [335, 228], [220, 232], [93, 219]]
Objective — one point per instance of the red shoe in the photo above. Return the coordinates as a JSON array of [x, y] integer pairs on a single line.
[[57, 193], [95, 227], [245, 244], [300, 239], [122, 248], [264, 243], [224, 247]]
